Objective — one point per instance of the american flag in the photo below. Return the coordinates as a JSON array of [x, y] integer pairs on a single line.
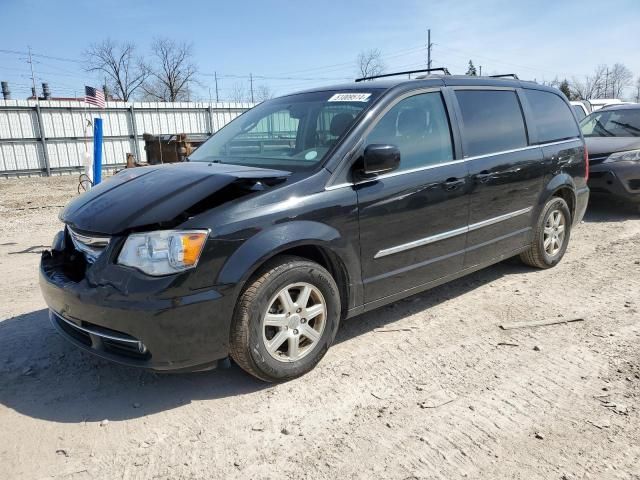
[[94, 96]]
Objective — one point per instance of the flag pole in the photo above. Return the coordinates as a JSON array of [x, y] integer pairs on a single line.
[[87, 161]]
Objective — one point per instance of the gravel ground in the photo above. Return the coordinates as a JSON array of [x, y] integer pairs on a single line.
[[427, 388]]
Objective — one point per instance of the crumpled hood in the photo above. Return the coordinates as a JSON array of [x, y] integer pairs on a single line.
[[599, 146], [144, 196]]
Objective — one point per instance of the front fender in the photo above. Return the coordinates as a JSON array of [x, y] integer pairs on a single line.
[[279, 238]]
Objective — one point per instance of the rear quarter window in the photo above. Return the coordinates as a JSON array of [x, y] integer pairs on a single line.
[[551, 115]]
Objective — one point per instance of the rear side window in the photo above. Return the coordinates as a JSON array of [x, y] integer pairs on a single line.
[[552, 116], [492, 121]]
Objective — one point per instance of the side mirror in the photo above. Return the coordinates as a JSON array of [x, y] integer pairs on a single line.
[[379, 159]]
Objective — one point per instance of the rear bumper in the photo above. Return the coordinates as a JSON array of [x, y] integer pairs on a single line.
[[620, 180], [189, 332]]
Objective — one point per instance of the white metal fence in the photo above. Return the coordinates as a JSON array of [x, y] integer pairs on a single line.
[[51, 136]]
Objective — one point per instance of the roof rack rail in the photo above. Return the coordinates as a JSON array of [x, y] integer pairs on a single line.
[[505, 75], [444, 70]]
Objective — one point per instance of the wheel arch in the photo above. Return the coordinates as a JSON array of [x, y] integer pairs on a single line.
[[312, 241], [561, 186]]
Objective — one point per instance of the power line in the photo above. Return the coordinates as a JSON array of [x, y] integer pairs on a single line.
[[397, 53], [500, 62], [40, 55]]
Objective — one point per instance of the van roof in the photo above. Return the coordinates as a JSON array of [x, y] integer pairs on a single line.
[[432, 81]]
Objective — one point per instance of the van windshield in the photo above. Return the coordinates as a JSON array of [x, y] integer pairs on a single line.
[[612, 123], [289, 133]]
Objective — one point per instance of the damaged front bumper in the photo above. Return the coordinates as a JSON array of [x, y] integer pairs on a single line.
[[142, 322]]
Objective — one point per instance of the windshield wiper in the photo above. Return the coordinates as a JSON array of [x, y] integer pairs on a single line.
[[627, 126], [601, 127]]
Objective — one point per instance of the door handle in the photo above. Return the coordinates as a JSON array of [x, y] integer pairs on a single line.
[[453, 183], [483, 177]]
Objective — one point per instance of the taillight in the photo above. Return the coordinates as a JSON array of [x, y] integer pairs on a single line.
[[586, 164]]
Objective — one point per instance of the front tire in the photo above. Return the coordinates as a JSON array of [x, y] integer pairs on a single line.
[[286, 319], [551, 235]]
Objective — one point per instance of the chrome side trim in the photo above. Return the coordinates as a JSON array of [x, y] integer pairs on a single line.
[[522, 149], [453, 162], [421, 242], [451, 233], [443, 257], [411, 170], [501, 218], [337, 186]]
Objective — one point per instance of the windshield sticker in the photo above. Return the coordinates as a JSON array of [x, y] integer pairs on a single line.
[[350, 97]]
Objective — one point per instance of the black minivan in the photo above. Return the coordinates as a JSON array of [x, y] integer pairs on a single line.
[[312, 208]]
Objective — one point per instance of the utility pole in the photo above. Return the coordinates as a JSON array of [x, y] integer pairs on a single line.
[[215, 76], [251, 83], [480, 70], [429, 45], [606, 83], [33, 77]]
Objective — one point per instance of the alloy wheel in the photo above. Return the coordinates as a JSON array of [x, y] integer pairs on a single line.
[[294, 322], [554, 231]]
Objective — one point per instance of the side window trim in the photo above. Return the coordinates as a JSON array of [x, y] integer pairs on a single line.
[[529, 122], [454, 114]]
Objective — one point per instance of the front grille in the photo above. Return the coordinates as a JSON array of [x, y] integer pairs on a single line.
[[634, 184], [101, 338], [90, 246]]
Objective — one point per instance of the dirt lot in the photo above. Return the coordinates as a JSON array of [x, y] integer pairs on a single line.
[[430, 387]]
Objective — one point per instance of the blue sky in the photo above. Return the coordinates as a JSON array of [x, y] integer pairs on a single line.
[[300, 44]]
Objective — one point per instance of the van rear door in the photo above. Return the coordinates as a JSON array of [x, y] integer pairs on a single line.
[[506, 172]]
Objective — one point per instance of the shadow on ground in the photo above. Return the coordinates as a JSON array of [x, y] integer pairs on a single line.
[[603, 209], [43, 376]]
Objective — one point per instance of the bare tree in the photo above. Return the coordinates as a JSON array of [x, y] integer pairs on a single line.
[[124, 71], [370, 63], [620, 78], [238, 93], [638, 90], [262, 93], [172, 71], [592, 86]]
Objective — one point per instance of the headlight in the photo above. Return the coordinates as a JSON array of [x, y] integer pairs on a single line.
[[164, 251], [630, 156]]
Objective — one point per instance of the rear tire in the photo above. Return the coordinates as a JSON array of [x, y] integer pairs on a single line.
[[271, 336], [551, 235]]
